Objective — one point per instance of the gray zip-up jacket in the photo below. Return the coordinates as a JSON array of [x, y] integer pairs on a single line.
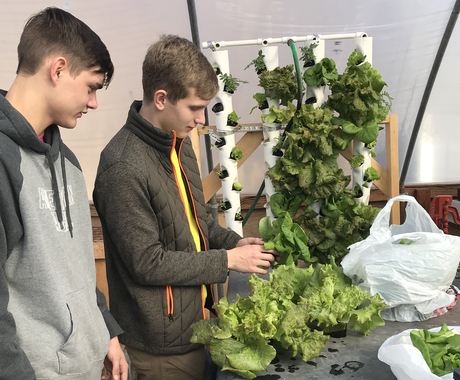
[[153, 269], [54, 324]]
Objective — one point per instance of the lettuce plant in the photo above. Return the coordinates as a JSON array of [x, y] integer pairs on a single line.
[[279, 83], [291, 310], [359, 99]]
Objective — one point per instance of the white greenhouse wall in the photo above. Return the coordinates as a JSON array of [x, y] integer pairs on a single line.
[[406, 36]]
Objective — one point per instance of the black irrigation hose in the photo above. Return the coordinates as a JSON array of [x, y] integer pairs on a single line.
[[289, 125]]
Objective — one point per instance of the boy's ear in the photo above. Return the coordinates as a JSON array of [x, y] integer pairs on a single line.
[[159, 99], [57, 67]]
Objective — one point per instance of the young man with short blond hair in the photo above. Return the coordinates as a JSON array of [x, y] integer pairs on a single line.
[[54, 323], [162, 249]]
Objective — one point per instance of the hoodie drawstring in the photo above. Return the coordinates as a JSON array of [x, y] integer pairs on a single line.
[[66, 193], [54, 186]]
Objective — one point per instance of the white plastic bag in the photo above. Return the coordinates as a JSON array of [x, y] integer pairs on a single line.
[[417, 272], [406, 361]]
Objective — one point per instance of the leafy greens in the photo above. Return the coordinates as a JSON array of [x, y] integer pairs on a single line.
[[285, 310], [441, 350]]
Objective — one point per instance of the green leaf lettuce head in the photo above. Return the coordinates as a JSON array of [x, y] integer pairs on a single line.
[[236, 153], [279, 115], [279, 83], [237, 186], [441, 350], [232, 116], [321, 73], [357, 161], [285, 310], [358, 96], [286, 237]]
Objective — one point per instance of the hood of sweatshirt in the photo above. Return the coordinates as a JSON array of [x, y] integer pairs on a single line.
[[18, 129]]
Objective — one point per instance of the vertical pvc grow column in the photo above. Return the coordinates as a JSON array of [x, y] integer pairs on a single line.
[[316, 92], [219, 60], [271, 130], [315, 95], [363, 46]]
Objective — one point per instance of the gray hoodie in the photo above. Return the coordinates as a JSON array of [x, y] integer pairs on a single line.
[[54, 323]]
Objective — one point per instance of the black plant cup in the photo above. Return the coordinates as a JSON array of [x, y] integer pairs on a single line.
[[228, 91], [309, 63], [310, 100], [359, 194], [225, 206], [217, 70], [218, 107], [264, 105], [223, 174], [366, 179], [260, 71], [278, 153], [232, 123], [220, 143], [238, 217]]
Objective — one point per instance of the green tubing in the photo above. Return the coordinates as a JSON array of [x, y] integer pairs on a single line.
[[253, 205], [288, 127]]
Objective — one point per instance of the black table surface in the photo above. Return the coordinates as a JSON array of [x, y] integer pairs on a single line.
[[352, 357]]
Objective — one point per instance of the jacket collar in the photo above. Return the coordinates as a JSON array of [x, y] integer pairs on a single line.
[[156, 137]]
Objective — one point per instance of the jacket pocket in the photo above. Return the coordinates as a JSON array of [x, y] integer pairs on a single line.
[[88, 341]]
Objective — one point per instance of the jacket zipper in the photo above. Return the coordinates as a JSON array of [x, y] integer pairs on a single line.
[[170, 302], [203, 300], [169, 296]]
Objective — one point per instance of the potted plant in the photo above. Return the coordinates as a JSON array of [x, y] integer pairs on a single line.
[[279, 83], [370, 175], [277, 152], [238, 217], [261, 102], [222, 174], [230, 83], [237, 186], [258, 63], [232, 119], [356, 161], [225, 205], [236, 154], [308, 55], [279, 115], [321, 73]]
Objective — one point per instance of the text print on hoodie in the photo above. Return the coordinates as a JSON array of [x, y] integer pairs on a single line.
[[50, 322]]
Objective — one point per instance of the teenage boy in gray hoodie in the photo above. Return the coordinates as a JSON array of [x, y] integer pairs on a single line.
[[54, 323]]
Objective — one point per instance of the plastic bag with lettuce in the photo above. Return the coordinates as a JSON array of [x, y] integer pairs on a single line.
[[290, 311]]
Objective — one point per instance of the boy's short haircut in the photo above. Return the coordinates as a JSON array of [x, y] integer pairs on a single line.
[[176, 65], [54, 31]]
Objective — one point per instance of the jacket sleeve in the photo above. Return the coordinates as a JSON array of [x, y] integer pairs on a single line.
[[111, 323], [131, 232], [14, 364], [220, 236]]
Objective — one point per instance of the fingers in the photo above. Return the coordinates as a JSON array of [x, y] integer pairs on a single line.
[[116, 369], [124, 367], [250, 241]]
